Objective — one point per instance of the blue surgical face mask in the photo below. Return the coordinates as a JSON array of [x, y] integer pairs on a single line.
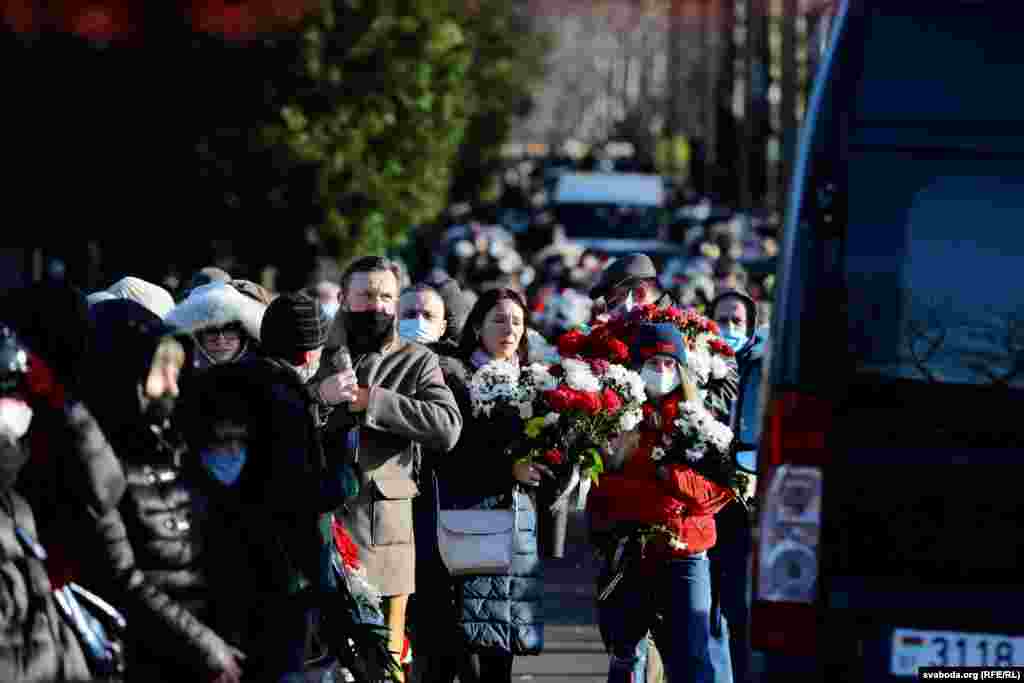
[[735, 341], [224, 466], [331, 309], [417, 330]]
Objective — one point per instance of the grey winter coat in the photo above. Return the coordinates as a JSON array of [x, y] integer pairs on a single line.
[[409, 406]]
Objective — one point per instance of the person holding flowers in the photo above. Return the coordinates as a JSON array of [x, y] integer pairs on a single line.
[[495, 617], [653, 518]]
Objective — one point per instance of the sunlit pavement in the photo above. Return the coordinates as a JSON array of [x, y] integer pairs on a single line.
[[573, 651]]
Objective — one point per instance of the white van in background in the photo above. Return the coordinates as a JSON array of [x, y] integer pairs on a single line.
[[615, 213]]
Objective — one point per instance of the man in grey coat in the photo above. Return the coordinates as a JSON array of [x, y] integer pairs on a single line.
[[390, 401]]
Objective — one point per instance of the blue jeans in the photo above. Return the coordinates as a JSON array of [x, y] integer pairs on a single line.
[[680, 594]]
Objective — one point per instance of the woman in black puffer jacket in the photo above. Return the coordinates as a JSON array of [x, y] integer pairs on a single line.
[[494, 617], [130, 385]]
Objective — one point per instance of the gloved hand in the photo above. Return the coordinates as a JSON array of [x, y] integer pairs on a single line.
[[339, 387]]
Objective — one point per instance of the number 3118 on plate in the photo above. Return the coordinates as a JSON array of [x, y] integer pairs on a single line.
[[912, 648]]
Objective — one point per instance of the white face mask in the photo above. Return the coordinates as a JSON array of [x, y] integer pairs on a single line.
[[417, 330], [15, 417], [660, 383]]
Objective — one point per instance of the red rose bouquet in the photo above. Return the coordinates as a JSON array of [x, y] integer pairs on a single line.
[[709, 359], [578, 407]]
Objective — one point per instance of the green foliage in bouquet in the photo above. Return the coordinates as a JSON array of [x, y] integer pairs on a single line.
[[572, 438]]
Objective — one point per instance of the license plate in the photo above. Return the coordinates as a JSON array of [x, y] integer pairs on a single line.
[[912, 648]]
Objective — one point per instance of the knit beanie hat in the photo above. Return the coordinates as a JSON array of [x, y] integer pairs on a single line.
[[292, 324], [658, 339]]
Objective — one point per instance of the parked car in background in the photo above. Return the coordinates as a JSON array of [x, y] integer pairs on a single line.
[[615, 213]]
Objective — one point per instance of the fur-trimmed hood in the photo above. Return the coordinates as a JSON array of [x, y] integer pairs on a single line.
[[215, 305]]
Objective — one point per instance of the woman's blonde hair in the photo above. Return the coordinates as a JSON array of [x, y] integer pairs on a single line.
[[169, 352]]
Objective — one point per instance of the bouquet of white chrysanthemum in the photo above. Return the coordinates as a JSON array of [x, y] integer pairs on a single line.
[[496, 386], [700, 432], [703, 443]]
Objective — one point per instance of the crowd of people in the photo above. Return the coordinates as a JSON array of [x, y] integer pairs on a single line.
[[193, 481]]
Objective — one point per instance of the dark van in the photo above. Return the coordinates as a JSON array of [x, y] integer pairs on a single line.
[[890, 532]]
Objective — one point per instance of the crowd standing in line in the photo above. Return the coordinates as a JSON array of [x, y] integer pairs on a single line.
[[221, 483]]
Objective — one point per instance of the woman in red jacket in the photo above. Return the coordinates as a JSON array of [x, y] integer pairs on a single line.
[[655, 523]]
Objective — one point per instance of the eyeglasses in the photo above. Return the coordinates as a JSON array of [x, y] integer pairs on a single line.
[[229, 332]]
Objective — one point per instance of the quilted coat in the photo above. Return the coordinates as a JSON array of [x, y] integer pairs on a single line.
[[495, 613]]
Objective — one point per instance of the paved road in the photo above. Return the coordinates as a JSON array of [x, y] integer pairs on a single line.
[[573, 652]]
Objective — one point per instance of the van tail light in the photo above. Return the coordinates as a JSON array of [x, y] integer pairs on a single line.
[[786, 564]]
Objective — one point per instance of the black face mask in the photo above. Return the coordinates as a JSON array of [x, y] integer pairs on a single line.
[[12, 458], [368, 330]]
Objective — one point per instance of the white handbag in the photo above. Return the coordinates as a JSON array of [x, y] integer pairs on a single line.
[[477, 541]]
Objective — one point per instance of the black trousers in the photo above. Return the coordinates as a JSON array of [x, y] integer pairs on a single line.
[[481, 668], [729, 563]]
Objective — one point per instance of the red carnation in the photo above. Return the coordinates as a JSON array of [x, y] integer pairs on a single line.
[[553, 457], [720, 348], [570, 343], [599, 366], [561, 399], [343, 542], [669, 412], [612, 401], [618, 351], [42, 383], [588, 401]]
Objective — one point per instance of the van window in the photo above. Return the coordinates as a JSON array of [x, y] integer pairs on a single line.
[[933, 255]]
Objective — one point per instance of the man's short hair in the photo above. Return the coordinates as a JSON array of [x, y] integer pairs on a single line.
[[421, 287], [371, 264]]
